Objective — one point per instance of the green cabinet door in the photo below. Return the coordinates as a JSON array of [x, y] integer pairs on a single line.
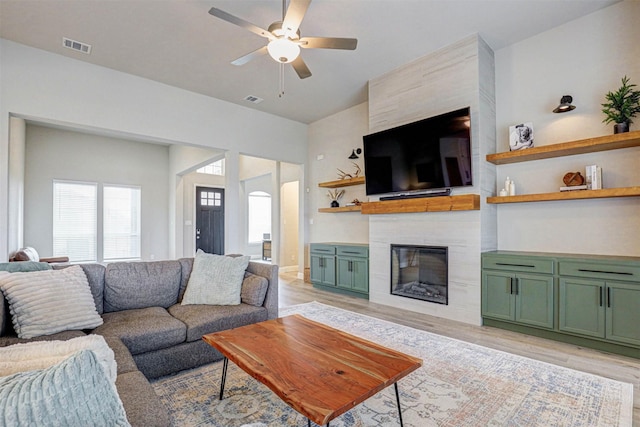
[[323, 269], [581, 307], [353, 274], [498, 300], [623, 312], [534, 300]]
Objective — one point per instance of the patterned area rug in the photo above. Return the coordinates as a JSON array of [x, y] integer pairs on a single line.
[[460, 384]]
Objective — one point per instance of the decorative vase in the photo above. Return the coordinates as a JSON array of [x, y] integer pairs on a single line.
[[335, 204], [621, 127]]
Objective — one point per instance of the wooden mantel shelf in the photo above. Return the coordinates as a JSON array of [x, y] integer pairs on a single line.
[[463, 202], [341, 209], [342, 182], [583, 146], [569, 195]]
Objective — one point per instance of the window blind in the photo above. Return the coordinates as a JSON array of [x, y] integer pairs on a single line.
[[121, 223], [75, 220]]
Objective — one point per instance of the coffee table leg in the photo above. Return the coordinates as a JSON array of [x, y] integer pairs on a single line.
[[225, 364], [395, 385]]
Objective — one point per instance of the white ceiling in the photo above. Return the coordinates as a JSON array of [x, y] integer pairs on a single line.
[[178, 43]]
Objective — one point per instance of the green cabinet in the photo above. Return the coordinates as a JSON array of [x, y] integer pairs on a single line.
[[353, 268], [589, 300], [600, 300], [511, 295], [349, 272], [323, 265]]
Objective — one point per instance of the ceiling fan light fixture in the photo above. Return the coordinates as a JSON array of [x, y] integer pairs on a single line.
[[283, 50]]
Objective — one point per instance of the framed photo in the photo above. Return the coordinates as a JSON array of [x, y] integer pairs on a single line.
[[521, 136]]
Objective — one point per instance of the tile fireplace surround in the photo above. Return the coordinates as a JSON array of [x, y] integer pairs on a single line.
[[459, 232]]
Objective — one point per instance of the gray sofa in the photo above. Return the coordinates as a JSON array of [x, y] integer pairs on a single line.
[[150, 332]]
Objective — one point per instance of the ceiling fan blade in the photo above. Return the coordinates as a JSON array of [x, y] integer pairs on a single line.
[[240, 22], [328, 43], [301, 68], [295, 14], [249, 56]]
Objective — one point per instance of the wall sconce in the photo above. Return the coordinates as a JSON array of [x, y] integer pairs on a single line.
[[565, 104], [356, 151]]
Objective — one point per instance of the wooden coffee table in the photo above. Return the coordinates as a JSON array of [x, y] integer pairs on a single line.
[[319, 371]]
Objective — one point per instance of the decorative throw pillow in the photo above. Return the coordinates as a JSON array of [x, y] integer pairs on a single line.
[[43, 354], [74, 392], [215, 279], [46, 302], [254, 289]]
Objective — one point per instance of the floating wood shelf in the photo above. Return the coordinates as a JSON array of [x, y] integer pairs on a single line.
[[463, 202], [569, 195], [341, 209], [583, 146], [342, 182]]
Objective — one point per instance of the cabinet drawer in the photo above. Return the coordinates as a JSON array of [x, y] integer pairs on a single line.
[[519, 264], [600, 270], [359, 251], [323, 249]]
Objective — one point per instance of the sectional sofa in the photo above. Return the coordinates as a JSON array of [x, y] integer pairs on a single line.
[[150, 332]]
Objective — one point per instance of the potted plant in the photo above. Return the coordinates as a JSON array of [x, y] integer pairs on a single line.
[[621, 106]]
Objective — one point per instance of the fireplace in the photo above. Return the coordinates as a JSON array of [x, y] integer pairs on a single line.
[[419, 272]]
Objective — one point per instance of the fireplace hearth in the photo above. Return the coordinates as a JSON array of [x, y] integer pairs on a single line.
[[420, 272]]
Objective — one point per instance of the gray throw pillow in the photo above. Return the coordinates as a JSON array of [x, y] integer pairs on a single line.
[[49, 301], [254, 289], [215, 279]]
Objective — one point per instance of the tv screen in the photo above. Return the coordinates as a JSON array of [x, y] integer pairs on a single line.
[[430, 154]]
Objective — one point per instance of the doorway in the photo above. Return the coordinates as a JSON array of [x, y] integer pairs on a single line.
[[210, 220]]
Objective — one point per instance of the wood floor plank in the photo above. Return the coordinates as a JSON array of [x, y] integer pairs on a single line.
[[294, 291]]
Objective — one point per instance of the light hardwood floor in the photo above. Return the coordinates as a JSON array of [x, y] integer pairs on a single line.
[[293, 291]]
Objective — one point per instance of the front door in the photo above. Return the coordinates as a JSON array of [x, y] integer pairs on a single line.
[[210, 220]]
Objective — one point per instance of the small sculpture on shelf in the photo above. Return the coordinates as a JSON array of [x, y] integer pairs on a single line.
[[344, 175], [573, 181], [335, 195]]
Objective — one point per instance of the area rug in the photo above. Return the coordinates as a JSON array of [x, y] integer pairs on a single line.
[[460, 384]]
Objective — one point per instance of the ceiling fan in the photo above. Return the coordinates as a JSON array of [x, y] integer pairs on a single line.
[[284, 37]]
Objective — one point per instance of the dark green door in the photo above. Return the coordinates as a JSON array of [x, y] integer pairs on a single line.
[[623, 312], [581, 307], [534, 300], [498, 300]]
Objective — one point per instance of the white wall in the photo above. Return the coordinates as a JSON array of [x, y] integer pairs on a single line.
[[333, 138], [43, 86], [53, 154], [584, 58]]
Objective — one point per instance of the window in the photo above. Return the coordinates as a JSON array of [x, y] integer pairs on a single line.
[[121, 223], [259, 215], [78, 230], [75, 220], [215, 168]]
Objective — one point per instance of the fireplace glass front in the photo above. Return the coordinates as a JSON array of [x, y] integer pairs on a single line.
[[419, 272]]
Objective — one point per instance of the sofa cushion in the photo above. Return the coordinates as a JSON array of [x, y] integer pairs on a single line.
[[46, 302], [74, 392], [6, 340], [215, 279], [38, 355], [254, 289], [131, 285], [143, 329], [95, 277], [203, 319]]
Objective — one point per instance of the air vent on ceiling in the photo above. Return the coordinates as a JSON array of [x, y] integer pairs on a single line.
[[76, 45], [253, 99]]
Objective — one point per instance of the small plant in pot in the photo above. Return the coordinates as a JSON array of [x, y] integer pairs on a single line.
[[621, 106]]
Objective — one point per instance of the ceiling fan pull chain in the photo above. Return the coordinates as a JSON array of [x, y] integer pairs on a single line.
[[281, 79]]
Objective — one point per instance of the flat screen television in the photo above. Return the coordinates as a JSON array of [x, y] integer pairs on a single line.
[[420, 158]]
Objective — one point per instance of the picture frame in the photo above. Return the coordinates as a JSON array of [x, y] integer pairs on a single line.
[[521, 136]]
